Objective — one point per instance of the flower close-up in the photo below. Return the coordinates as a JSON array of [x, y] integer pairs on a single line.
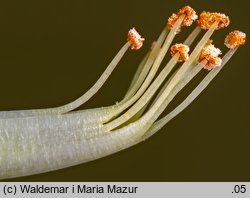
[[172, 73]]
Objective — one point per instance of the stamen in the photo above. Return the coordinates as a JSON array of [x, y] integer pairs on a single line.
[[135, 39], [235, 39], [211, 54], [182, 50], [190, 16], [207, 19]]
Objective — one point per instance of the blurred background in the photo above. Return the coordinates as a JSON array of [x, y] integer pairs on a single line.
[[52, 51]]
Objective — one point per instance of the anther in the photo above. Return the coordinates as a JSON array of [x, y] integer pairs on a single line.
[[190, 16], [235, 39], [182, 50], [135, 39], [207, 19], [211, 55]]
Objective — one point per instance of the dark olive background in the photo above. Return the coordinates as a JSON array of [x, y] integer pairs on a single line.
[[52, 51]]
